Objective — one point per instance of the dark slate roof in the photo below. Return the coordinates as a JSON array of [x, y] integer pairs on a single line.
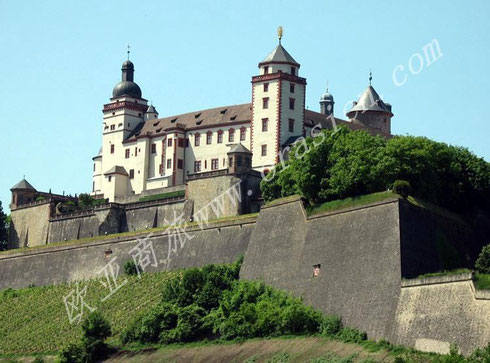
[[116, 170], [370, 101], [215, 117], [239, 148], [279, 54], [126, 88], [23, 184], [151, 109]]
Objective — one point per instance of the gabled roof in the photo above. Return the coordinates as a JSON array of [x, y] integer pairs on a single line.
[[116, 170], [225, 116], [23, 184], [370, 101], [239, 148], [279, 55]]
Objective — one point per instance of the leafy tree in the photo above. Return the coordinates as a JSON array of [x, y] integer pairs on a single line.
[[482, 264], [345, 163], [4, 228], [85, 200]]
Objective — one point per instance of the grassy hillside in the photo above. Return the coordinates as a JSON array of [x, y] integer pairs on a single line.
[[35, 319], [296, 349]]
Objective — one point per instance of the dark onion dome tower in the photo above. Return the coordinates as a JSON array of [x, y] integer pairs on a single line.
[[326, 104], [127, 87], [370, 110]]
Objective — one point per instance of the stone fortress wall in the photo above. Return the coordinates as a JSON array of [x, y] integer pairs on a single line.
[[352, 263], [211, 197]]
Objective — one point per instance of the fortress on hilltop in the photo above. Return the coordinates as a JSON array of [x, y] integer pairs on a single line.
[[147, 161], [361, 263]]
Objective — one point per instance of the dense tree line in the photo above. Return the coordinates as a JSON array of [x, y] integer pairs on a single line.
[[343, 163]]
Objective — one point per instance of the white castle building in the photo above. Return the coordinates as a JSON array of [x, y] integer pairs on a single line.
[[141, 151]]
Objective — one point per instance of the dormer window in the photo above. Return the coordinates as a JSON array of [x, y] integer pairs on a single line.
[[266, 69], [197, 115], [223, 111], [173, 120]]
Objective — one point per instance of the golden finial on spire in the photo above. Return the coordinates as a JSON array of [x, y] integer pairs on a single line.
[[279, 33]]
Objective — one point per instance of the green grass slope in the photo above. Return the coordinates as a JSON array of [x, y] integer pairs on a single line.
[[35, 320]]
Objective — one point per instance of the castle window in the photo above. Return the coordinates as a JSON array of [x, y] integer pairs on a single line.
[[265, 103], [181, 142], [197, 166], [214, 164], [112, 149], [180, 164], [266, 70], [247, 162], [230, 162], [160, 169], [169, 163], [186, 142], [93, 186], [238, 161], [153, 149], [113, 127], [197, 139], [291, 87], [231, 135], [265, 124], [316, 270], [169, 142], [135, 151], [205, 164], [264, 150], [209, 137], [293, 71], [131, 174], [220, 137], [126, 153], [243, 134], [110, 178], [94, 167], [291, 125], [291, 103], [266, 87]]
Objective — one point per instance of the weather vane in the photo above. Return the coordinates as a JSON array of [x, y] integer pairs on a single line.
[[129, 50], [279, 33]]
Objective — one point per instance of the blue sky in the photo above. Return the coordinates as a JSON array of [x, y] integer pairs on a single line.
[[59, 61]]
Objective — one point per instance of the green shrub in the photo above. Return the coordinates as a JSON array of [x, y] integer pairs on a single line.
[[482, 264], [480, 355], [96, 327], [73, 353], [330, 325], [402, 187], [131, 268], [351, 335]]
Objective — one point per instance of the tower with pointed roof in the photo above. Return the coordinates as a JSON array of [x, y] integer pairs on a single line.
[[371, 111], [278, 106]]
